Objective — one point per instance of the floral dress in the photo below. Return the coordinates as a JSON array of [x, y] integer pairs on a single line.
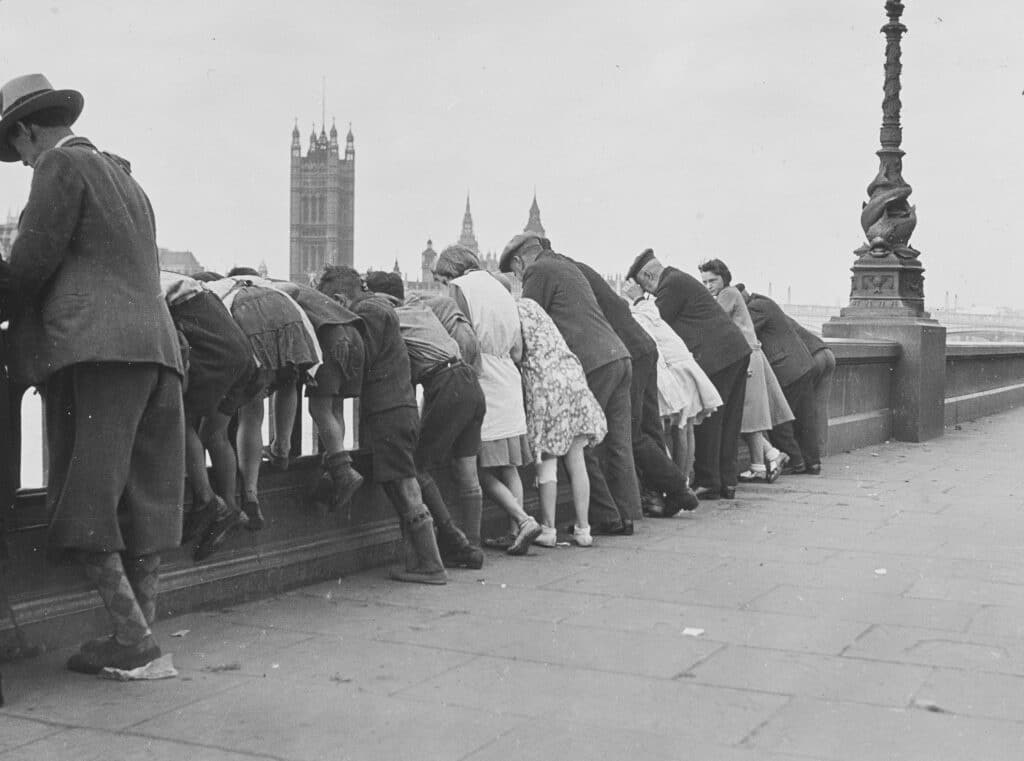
[[559, 404]]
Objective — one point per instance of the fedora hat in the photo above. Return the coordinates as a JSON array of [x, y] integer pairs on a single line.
[[29, 94]]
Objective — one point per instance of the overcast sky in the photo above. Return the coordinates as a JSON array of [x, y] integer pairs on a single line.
[[744, 130]]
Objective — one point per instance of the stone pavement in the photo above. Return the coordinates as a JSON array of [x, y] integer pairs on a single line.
[[872, 613]]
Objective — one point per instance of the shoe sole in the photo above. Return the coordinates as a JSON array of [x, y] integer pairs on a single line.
[[419, 578]]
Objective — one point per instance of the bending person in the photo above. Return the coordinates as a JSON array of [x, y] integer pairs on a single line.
[[504, 446]]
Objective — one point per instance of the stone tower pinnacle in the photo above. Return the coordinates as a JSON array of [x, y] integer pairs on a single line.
[[533, 225], [467, 238]]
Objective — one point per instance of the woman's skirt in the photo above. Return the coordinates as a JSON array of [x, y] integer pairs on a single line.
[[764, 405], [514, 450], [687, 391]]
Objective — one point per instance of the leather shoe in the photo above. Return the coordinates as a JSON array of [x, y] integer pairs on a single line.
[[613, 528], [687, 501], [728, 492], [705, 493], [794, 470], [812, 470]]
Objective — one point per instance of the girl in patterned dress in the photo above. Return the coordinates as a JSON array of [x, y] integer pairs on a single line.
[[562, 417]]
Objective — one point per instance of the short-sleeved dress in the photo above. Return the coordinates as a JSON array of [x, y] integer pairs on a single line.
[[683, 387], [559, 404], [493, 314], [764, 406]]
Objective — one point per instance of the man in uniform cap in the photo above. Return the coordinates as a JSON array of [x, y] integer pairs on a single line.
[[722, 352], [556, 283], [90, 324]]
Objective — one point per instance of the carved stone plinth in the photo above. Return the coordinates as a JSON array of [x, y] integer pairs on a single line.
[[884, 286]]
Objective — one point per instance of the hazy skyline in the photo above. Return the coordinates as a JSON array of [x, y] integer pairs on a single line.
[[744, 130]]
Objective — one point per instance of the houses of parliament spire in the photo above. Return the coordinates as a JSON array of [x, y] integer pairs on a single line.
[[533, 225], [468, 238]]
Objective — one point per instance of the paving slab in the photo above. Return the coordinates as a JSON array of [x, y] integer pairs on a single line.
[[18, 732], [971, 693], [901, 644], [838, 731], [812, 676], [672, 707], [771, 631], [309, 721]]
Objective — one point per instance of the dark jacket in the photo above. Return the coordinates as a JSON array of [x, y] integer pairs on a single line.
[[555, 282], [387, 379], [320, 308], [84, 270], [691, 310], [782, 347], [811, 341], [616, 310]]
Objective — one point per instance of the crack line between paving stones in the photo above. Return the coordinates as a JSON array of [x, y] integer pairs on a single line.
[[226, 749], [745, 742], [58, 728], [194, 701]]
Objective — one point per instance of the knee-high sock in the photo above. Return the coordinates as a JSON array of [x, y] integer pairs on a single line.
[[471, 505], [144, 576], [433, 500], [106, 571]]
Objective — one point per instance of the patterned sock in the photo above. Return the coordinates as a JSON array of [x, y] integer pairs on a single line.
[[106, 571], [144, 576]]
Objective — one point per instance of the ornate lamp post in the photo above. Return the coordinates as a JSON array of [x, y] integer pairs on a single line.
[[888, 279], [887, 287]]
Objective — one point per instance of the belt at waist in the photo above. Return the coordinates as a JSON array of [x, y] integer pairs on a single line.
[[437, 369]]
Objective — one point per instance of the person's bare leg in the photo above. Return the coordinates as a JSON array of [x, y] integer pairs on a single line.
[[213, 432], [339, 481], [286, 405], [329, 423], [250, 455], [495, 486], [195, 466], [576, 467]]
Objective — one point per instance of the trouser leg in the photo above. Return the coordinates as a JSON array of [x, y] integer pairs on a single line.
[[791, 437], [825, 362], [616, 451], [805, 427], [657, 471], [732, 421], [602, 382]]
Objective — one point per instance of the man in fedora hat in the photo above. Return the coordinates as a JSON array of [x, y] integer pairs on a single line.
[[90, 326]]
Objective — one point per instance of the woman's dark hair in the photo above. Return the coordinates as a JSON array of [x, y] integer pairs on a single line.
[[717, 267]]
